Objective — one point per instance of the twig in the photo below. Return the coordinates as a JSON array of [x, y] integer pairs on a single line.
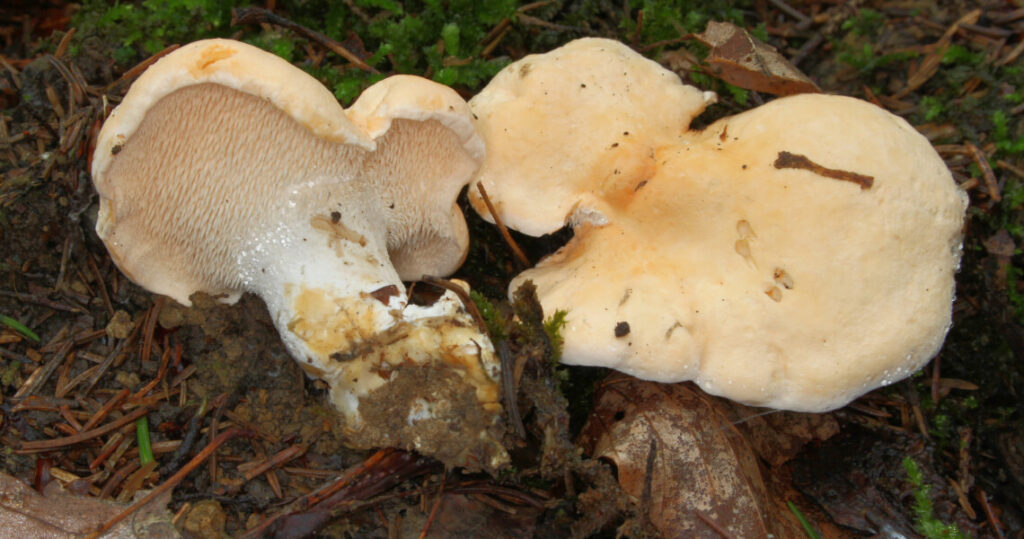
[[281, 457], [433, 510], [189, 440], [100, 284], [990, 515], [139, 68], [790, 10], [172, 481], [929, 66], [62, 47], [380, 471], [467, 301], [508, 382], [147, 337], [46, 445], [257, 15], [1011, 167], [43, 373], [520, 256], [39, 300], [991, 184]]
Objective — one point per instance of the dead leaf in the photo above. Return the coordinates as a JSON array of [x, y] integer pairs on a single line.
[[57, 513], [777, 436], [678, 452], [739, 59]]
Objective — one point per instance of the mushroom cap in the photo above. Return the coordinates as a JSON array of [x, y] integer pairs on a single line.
[[234, 65], [600, 105], [426, 137], [780, 287], [255, 156]]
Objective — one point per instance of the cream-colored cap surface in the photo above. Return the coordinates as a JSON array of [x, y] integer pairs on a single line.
[[774, 287], [575, 124], [794, 256]]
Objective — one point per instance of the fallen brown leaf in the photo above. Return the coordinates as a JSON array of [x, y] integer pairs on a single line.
[[678, 452], [57, 513], [741, 60], [777, 436]]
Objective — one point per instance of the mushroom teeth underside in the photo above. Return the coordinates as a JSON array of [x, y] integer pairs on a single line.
[[789, 282]]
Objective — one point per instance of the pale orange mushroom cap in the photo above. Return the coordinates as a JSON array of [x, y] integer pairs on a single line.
[[575, 124], [794, 256]]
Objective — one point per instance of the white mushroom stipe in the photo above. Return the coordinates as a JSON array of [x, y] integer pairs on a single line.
[[227, 170], [794, 256]]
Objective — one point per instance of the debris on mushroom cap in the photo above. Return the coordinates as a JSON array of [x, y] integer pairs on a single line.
[[598, 103], [794, 256], [227, 170]]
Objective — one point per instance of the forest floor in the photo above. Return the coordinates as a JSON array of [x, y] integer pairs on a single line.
[[241, 441]]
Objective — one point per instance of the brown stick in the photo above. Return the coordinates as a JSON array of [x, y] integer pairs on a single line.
[[466, 299], [140, 67], [114, 401], [991, 184], [433, 510], [278, 459], [256, 15], [795, 160], [520, 256], [46, 445]]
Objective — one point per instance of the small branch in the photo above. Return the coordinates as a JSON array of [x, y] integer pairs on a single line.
[[794, 160], [508, 382], [991, 184], [45, 445], [467, 301], [256, 15], [520, 256]]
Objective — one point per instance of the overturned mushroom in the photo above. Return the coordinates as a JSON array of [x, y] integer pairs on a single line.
[[794, 256], [227, 170]]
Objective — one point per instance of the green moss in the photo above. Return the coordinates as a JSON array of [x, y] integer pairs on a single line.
[[137, 30], [925, 522], [553, 326], [867, 23], [670, 19], [497, 327]]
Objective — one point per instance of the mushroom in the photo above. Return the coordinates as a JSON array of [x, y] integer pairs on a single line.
[[572, 124], [794, 256], [225, 170]]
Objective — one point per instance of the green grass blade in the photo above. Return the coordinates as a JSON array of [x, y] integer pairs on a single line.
[[142, 436], [811, 532], [19, 327]]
